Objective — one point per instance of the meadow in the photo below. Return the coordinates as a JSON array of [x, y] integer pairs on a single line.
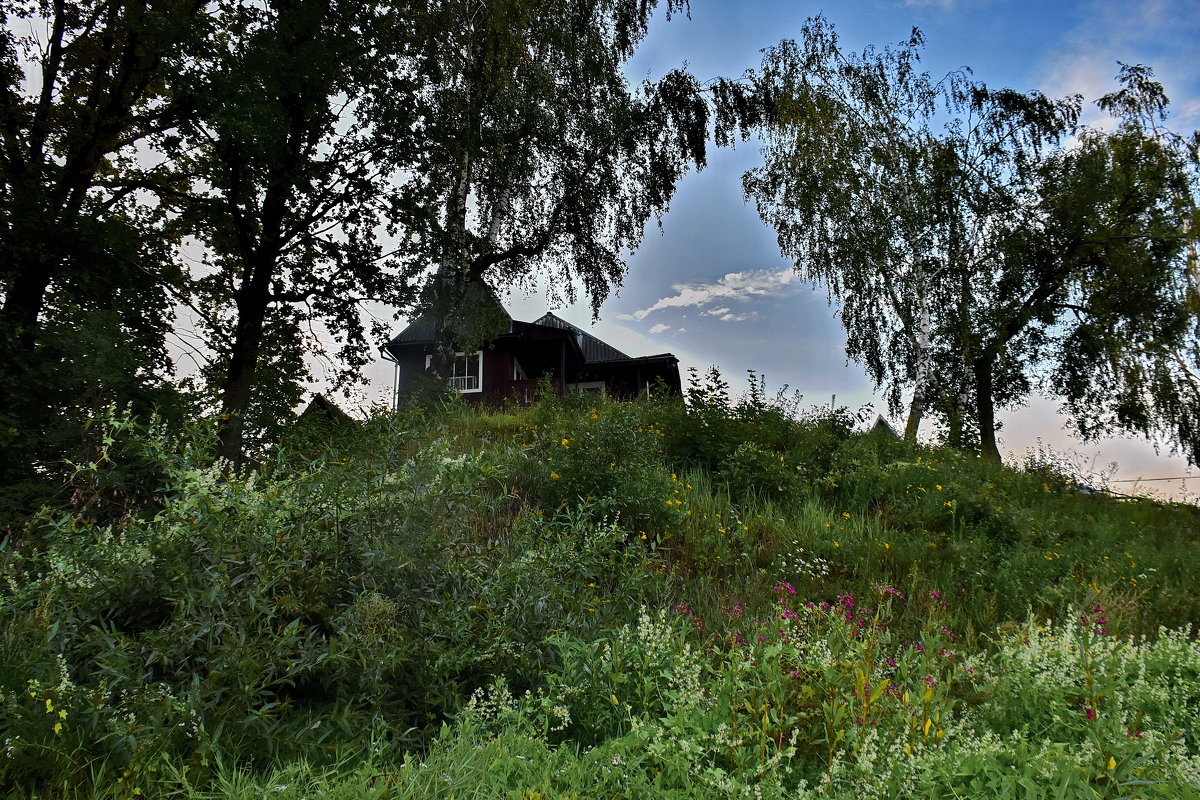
[[596, 599]]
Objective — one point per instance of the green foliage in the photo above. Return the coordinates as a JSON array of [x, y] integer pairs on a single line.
[[606, 456], [911, 198], [414, 607]]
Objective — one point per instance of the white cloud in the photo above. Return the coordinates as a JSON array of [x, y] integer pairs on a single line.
[[1159, 33], [738, 286], [726, 314], [659, 328]]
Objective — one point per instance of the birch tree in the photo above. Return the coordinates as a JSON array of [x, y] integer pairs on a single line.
[[980, 260], [538, 156]]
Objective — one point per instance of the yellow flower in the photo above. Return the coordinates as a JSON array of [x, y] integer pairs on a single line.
[[844, 514], [1112, 763], [553, 476], [939, 486], [58, 729], [49, 705]]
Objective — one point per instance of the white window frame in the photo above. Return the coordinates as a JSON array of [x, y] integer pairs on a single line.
[[518, 371], [462, 383]]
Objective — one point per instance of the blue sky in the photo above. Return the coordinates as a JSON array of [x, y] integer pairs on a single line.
[[711, 287]]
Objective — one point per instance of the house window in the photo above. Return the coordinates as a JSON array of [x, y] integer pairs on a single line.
[[467, 373], [519, 371]]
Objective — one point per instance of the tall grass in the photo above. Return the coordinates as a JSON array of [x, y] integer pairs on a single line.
[[596, 598]]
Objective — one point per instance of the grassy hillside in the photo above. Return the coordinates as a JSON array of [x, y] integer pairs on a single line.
[[596, 599]]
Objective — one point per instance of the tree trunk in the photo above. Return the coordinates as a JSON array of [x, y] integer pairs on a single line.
[[986, 409], [253, 302], [916, 412], [920, 398], [23, 304]]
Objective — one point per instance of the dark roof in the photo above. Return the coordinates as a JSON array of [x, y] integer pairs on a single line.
[[321, 410], [421, 328], [883, 426], [593, 349]]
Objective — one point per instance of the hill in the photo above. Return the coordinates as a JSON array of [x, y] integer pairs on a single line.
[[596, 599]]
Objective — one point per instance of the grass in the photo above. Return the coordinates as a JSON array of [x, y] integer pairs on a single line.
[[596, 599]]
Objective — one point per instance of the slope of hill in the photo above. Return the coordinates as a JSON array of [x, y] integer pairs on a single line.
[[596, 599]]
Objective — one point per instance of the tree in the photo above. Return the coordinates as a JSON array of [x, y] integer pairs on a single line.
[[869, 199], [975, 260], [533, 153], [288, 185], [82, 318], [971, 260], [1141, 380]]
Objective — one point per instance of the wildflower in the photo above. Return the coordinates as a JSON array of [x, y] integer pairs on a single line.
[[1089, 712], [554, 476]]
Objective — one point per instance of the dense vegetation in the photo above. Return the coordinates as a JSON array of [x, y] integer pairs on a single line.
[[595, 599]]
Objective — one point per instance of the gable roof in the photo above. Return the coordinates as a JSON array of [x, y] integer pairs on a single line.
[[421, 329]]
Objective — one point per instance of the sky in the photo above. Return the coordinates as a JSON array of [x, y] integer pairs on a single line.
[[710, 285]]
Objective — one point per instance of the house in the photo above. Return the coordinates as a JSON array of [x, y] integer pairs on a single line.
[[509, 368]]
